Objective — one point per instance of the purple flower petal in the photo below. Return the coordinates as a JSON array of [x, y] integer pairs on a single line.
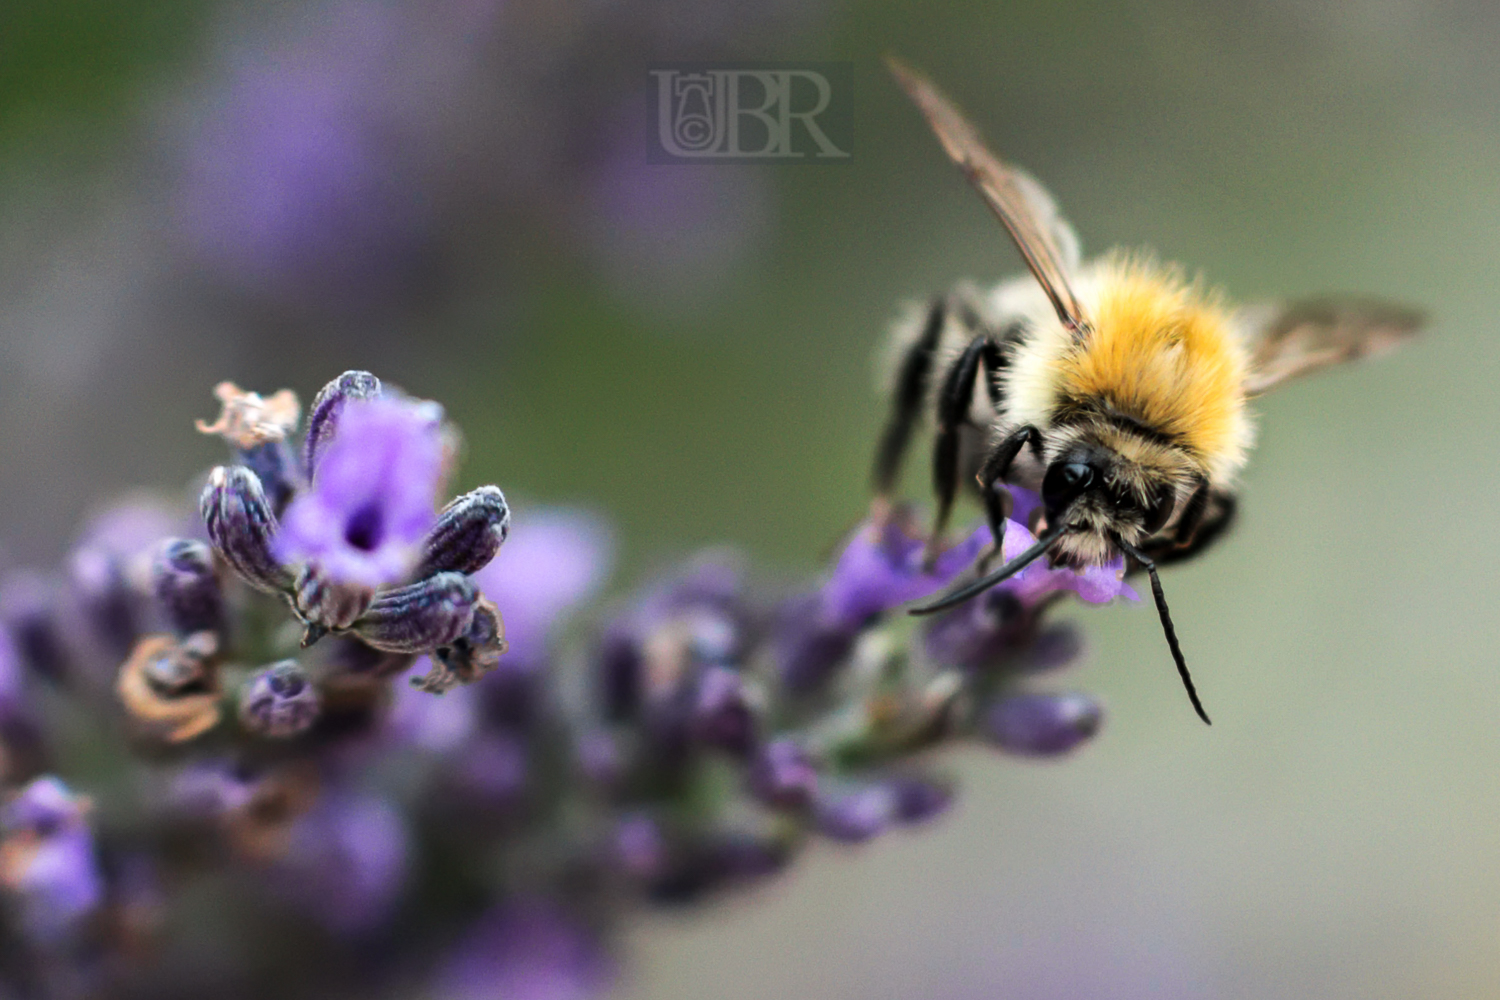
[[1042, 725], [881, 567], [856, 815], [372, 501]]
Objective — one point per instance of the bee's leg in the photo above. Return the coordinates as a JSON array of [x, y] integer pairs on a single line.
[[1206, 518], [993, 474], [954, 401], [906, 403]]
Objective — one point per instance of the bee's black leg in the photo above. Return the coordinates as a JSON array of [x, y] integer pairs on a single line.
[[1208, 515], [954, 400], [906, 402], [995, 469]]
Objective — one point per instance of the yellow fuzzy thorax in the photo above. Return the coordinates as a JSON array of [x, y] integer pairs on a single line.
[[1162, 351]]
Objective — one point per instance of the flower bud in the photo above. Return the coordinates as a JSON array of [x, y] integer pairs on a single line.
[[169, 688], [1041, 725], [468, 533], [420, 616], [186, 586], [919, 799], [856, 815], [279, 701], [470, 656], [27, 602], [323, 418], [241, 526], [276, 465], [326, 605]]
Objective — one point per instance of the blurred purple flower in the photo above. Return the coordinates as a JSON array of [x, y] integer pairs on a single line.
[[919, 799], [881, 567], [491, 771], [525, 950], [346, 861], [1041, 725], [553, 559], [435, 724], [110, 563], [290, 178], [639, 848], [782, 774], [373, 499], [670, 234], [47, 859], [28, 608], [854, 815]]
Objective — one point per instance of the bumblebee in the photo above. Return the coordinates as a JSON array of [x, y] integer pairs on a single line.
[[1114, 388]]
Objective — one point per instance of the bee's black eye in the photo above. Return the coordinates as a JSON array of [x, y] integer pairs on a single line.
[[1065, 481], [1160, 510]]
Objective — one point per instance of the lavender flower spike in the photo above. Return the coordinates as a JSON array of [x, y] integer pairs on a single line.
[[372, 497]]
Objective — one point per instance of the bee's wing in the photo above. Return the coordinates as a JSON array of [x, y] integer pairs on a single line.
[[1289, 338], [1030, 216]]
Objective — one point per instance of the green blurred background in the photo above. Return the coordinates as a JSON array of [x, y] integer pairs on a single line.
[[689, 349]]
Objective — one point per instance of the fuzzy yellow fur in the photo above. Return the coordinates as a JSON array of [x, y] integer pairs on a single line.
[[1161, 351]]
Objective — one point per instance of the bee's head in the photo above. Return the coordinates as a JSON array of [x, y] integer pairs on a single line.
[[1100, 496]]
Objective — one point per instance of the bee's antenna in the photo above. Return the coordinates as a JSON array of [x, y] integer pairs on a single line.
[[1005, 572], [1166, 624]]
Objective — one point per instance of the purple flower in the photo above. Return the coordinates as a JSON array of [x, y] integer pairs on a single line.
[[290, 178], [639, 849], [553, 559], [47, 859], [881, 567], [28, 608], [723, 715], [919, 799], [372, 501], [527, 950], [1095, 584], [1041, 725], [858, 814], [113, 552], [782, 774], [346, 861], [491, 770], [435, 724]]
